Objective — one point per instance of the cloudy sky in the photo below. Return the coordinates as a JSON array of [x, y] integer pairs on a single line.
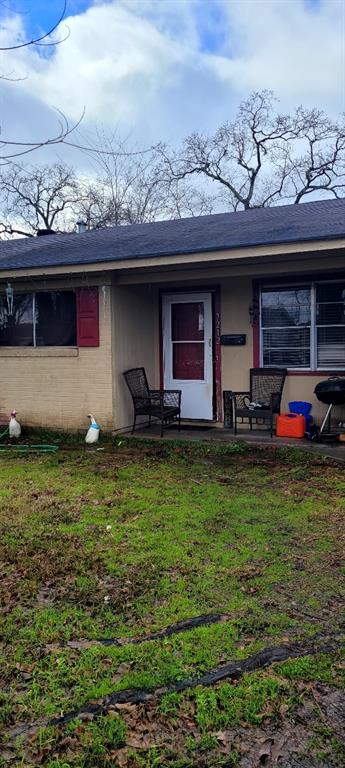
[[158, 69]]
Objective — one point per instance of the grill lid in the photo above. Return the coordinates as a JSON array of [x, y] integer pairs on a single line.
[[331, 391]]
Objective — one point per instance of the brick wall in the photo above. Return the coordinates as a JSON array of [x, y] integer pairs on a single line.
[[58, 387]]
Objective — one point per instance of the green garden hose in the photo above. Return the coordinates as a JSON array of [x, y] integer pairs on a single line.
[[21, 448]]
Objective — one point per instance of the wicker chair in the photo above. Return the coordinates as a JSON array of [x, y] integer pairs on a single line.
[[162, 404], [266, 388]]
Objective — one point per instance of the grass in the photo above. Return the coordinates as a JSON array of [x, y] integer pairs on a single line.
[[127, 541]]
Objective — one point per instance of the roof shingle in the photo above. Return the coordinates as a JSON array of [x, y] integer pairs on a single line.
[[319, 220]]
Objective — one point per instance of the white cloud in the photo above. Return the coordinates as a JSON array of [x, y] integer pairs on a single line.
[[293, 47], [164, 68], [112, 63]]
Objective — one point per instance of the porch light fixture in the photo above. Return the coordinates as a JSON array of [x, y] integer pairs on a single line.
[[254, 312], [9, 299]]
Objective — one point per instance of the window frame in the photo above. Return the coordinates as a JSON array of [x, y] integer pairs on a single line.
[[34, 323], [312, 286]]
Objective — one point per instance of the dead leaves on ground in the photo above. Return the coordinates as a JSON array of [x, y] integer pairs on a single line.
[[285, 742]]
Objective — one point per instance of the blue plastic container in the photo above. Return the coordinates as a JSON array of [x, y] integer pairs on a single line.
[[299, 406]]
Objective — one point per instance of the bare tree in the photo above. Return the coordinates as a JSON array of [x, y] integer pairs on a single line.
[[263, 157], [126, 188], [130, 186], [184, 199], [38, 197], [321, 165], [129, 191]]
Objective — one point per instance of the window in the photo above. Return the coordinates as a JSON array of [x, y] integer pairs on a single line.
[[55, 315], [330, 325], [285, 320], [304, 326], [187, 336], [39, 319], [16, 329]]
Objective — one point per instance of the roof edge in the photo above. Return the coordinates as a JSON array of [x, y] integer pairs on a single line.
[[195, 257]]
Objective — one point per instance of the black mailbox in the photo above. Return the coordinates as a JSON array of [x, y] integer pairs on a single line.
[[233, 339]]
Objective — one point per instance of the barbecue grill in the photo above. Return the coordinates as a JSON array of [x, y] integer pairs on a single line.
[[331, 392]]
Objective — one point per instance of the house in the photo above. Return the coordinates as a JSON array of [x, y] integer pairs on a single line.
[[196, 301]]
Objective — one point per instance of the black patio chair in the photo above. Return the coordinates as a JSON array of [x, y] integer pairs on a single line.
[[161, 404], [263, 399]]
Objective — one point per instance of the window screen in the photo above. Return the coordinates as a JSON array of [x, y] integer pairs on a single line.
[[304, 326], [286, 323], [330, 325]]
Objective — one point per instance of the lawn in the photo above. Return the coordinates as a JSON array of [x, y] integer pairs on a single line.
[[103, 551]]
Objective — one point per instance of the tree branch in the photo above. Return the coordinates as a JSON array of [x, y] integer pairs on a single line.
[[39, 40]]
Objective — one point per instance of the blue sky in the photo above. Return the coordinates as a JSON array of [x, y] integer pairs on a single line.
[[159, 69], [40, 14]]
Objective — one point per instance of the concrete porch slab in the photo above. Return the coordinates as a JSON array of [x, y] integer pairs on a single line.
[[257, 437]]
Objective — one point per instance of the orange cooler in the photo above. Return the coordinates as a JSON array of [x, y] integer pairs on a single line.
[[290, 425]]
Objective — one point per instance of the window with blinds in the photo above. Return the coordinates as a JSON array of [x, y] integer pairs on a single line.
[[330, 325], [286, 323], [303, 326]]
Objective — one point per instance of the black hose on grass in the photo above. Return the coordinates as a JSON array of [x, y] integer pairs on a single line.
[[174, 629], [231, 671]]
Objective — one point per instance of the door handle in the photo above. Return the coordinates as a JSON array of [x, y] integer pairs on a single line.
[[210, 342]]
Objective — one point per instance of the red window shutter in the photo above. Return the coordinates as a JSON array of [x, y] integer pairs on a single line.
[[87, 317]]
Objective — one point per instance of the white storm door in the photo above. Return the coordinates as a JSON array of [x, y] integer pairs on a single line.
[[187, 351]]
